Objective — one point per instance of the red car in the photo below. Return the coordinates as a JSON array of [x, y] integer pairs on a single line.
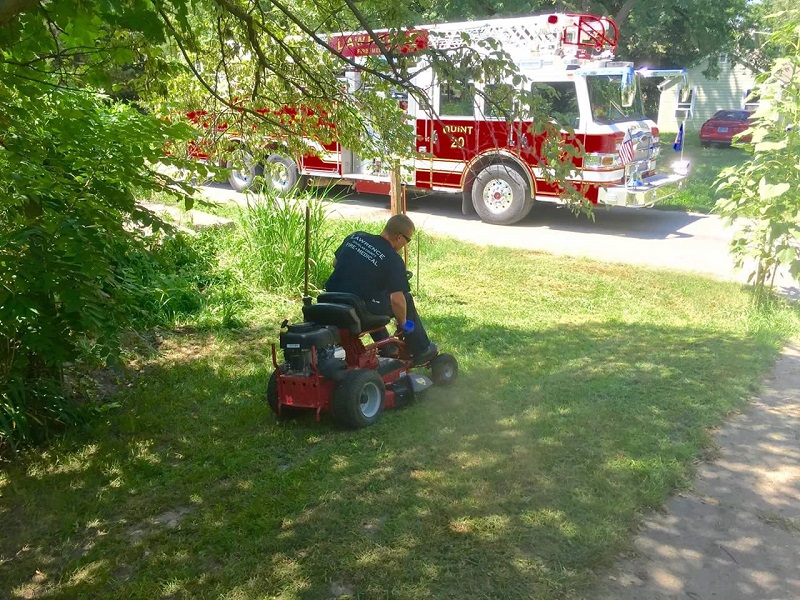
[[725, 124]]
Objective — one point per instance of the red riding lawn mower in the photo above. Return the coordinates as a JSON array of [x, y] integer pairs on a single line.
[[327, 367]]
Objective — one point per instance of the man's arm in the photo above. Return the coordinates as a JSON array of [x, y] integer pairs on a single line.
[[398, 300]]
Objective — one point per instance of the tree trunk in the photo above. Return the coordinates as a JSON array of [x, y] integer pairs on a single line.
[[624, 11]]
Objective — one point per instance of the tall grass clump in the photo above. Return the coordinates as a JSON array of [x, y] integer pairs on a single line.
[[182, 280], [272, 252]]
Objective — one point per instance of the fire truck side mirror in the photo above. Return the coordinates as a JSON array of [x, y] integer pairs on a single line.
[[628, 88]]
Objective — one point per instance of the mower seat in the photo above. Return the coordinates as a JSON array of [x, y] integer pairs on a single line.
[[369, 321], [341, 316]]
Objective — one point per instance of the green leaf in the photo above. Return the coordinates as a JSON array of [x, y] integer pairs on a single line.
[[787, 255], [769, 191], [771, 146]]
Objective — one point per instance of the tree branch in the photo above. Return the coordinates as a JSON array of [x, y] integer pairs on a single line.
[[214, 93]]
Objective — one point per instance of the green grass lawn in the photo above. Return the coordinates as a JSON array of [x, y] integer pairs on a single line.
[[585, 397], [699, 193]]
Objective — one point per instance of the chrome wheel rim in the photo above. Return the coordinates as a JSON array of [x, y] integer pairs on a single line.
[[245, 161], [498, 196], [280, 175]]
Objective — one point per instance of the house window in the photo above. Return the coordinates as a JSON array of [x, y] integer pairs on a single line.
[[749, 100], [723, 60], [684, 108]]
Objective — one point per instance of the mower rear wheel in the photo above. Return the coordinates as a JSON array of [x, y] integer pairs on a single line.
[[272, 398], [359, 399], [444, 369]]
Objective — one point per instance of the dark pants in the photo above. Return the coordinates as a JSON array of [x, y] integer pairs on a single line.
[[417, 340]]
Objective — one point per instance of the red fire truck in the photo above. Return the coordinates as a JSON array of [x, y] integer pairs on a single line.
[[465, 145]]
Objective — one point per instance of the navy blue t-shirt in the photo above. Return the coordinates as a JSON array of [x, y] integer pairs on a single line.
[[368, 266]]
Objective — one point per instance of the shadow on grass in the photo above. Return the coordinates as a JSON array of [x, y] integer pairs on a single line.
[[519, 481]]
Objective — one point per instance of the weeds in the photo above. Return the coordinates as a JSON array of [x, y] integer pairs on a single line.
[[272, 249], [173, 280]]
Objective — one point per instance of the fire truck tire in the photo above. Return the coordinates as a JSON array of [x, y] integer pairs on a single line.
[[501, 195], [243, 170], [281, 173], [359, 399]]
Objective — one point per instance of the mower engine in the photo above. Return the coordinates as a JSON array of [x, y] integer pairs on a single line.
[[297, 343]]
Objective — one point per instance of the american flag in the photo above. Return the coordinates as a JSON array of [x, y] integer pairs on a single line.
[[626, 149]]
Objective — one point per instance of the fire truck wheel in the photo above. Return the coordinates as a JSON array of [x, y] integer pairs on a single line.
[[359, 398], [500, 195], [243, 170], [281, 173]]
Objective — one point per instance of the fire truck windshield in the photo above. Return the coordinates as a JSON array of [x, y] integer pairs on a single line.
[[605, 96]]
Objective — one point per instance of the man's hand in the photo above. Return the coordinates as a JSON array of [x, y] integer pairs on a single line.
[[406, 327]]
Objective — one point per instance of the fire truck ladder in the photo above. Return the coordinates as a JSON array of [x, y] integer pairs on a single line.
[[583, 37]]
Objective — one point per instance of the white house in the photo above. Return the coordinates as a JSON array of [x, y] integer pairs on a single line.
[[730, 91]]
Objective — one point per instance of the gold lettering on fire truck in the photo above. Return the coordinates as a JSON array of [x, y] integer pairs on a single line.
[[459, 129]]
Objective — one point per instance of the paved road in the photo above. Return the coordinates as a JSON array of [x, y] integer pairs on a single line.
[[663, 239]]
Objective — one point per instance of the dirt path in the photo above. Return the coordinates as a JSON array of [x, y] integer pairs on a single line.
[[736, 535]]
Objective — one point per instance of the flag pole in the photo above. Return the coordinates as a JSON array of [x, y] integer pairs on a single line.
[[683, 134]]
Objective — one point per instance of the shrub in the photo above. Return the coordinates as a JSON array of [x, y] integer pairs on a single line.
[[761, 195], [69, 164]]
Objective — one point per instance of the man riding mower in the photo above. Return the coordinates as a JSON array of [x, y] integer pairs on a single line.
[[328, 367]]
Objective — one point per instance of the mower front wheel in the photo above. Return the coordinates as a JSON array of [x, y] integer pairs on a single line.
[[359, 399], [444, 369]]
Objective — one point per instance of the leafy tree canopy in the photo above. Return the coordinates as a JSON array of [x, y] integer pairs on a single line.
[[75, 154]]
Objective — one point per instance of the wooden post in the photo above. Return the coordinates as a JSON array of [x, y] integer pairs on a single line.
[[396, 191]]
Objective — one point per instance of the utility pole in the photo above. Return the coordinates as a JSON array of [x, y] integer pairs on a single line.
[[396, 191]]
